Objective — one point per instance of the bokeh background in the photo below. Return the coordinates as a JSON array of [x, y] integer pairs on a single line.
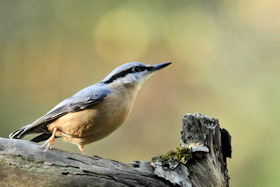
[[225, 58]]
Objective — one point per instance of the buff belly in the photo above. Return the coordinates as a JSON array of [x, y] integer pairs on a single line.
[[95, 123]]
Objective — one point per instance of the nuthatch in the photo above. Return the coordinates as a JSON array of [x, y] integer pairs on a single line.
[[94, 112]]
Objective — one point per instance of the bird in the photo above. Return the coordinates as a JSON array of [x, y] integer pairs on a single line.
[[95, 111]]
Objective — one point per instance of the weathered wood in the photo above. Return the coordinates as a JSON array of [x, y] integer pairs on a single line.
[[23, 163], [202, 134]]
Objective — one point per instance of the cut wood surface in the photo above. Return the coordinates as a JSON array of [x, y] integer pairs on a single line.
[[24, 163]]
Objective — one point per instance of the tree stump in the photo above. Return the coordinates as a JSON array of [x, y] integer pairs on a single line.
[[24, 163]]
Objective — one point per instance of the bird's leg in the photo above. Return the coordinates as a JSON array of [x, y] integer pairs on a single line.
[[50, 141], [81, 147]]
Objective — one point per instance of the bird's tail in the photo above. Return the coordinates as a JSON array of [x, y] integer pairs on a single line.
[[20, 133]]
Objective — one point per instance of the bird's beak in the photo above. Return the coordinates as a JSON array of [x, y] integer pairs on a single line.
[[159, 66]]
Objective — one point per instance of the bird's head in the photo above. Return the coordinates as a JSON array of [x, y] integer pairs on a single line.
[[133, 73]]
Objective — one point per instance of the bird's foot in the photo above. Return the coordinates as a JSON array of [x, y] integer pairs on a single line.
[[81, 147], [50, 141]]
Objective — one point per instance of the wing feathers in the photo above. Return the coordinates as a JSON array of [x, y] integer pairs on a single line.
[[83, 99]]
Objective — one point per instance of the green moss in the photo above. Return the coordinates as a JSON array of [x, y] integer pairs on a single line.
[[172, 158], [191, 171], [182, 155]]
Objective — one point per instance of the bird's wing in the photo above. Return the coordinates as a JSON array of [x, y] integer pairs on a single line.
[[83, 99]]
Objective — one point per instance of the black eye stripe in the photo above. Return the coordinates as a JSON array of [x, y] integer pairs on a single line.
[[138, 68], [125, 72], [135, 69]]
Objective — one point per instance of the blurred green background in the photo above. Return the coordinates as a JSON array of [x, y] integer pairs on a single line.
[[225, 58]]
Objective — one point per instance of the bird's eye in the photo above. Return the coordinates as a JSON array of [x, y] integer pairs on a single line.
[[136, 69]]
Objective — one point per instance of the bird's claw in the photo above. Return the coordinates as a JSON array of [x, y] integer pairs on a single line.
[[50, 141]]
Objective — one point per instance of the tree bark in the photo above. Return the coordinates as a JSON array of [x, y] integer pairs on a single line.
[[24, 163]]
